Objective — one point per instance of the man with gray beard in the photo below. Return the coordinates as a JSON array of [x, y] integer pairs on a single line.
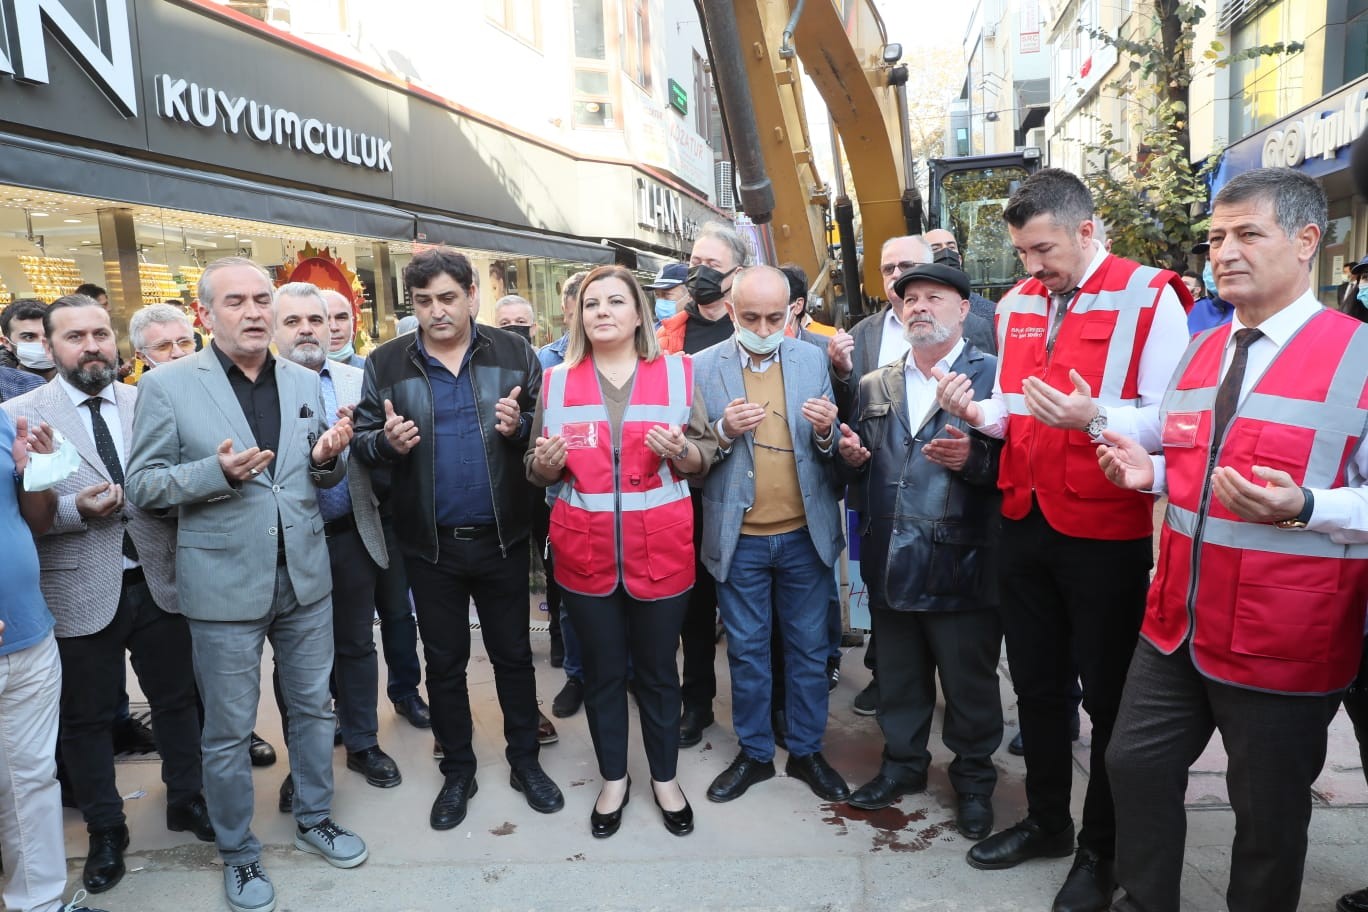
[[356, 543], [928, 536], [109, 579]]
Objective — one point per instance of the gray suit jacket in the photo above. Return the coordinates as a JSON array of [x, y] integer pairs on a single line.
[[228, 537], [729, 489], [365, 505], [82, 560]]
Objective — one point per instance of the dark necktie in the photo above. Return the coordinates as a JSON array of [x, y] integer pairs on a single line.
[[1228, 396], [1061, 302], [109, 455]]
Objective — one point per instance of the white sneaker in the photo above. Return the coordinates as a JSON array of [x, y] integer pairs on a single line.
[[340, 848], [248, 888]]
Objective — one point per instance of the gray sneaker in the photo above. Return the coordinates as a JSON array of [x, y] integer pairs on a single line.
[[248, 888], [339, 848]]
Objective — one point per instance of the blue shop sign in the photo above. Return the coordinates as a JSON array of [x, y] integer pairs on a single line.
[[1315, 140]]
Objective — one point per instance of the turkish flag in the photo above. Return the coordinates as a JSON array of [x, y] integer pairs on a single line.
[[1086, 68]]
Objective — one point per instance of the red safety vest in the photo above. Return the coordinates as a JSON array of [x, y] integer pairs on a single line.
[[1266, 608], [623, 512], [1102, 337]]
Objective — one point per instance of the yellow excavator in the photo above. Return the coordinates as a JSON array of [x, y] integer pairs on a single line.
[[756, 48]]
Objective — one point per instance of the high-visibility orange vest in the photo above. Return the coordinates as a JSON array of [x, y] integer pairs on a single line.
[[1102, 337], [1264, 608], [623, 512]]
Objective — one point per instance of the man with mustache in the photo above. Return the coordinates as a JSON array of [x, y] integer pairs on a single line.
[[356, 543], [341, 329], [109, 579], [448, 409], [1087, 343], [928, 533]]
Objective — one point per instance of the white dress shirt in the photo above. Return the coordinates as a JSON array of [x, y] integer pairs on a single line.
[[1341, 513], [109, 411], [1168, 339], [893, 343], [921, 388]]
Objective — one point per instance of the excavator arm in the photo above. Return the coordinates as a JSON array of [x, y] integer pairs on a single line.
[[757, 47]]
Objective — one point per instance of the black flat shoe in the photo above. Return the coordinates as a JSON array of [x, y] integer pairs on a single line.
[[679, 822], [604, 825]]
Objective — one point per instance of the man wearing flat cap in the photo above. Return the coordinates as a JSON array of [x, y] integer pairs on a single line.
[[670, 291], [928, 535]]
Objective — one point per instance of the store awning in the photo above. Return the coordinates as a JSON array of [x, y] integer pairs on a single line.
[[45, 165], [439, 229], [640, 259]]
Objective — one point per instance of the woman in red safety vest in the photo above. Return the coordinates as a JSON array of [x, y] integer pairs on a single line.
[[619, 429]]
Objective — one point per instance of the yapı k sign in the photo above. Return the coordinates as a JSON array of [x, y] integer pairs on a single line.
[[112, 70]]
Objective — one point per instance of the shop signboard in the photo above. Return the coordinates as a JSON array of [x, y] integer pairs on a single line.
[[662, 210], [1315, 140], [24, 52]]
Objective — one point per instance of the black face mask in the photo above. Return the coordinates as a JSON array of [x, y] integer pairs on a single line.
[[519, 329], [705, 285]]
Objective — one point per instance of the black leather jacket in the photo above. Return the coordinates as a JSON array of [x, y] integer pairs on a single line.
[[928, 535], [397, 371]]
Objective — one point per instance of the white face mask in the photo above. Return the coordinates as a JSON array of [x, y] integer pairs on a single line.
[[33, 355], [757, 344], [44, 470]]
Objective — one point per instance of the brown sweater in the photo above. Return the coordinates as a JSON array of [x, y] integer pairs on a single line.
[[778, 506]]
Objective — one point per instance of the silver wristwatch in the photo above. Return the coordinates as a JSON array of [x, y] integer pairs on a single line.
[[1098, 424]]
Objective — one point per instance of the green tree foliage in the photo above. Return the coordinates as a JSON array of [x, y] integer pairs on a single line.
[[1149, 195]]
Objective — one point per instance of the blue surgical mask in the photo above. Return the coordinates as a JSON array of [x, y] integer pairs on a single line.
[[761, 345], [665, 308], [1209, 279], [1363, 295]]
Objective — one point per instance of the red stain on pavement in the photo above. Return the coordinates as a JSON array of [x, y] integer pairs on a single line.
[[895, 829]]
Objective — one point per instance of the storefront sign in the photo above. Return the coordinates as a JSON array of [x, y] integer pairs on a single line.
[[679, 99], [1322, 132], [26, 59], [661, 209], [204, 106]]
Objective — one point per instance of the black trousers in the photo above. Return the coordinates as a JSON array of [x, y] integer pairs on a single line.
[[541, 530], [1356, 707], [1275, 746], [698, 638], [441, 593], [611, 628], [398, 629], [963, 648], [92, 674], [1066, 598]]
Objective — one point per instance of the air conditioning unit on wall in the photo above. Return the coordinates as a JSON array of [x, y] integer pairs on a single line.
[[724, 179]]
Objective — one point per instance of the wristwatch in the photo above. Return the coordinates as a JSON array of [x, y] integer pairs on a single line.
[[1098, 424], [1301, 520]]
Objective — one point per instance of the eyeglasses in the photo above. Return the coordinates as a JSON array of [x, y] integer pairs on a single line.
[[889, 269], [164, 347]]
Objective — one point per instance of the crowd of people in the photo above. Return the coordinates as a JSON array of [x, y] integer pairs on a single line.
[[680, 454]]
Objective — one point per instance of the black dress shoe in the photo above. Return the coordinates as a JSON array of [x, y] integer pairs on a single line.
[[337, 733], [883, 790], [104, 866], [193, 815], [601, 826], [1021, 842], [569, 700], [546, 732], [557, 651], [543, 796], [133, 737], [1016, 747], [866, 702], [779, 725], [286, 800], [824, 781], [377, 766], [744, 772], [261, 752], [450, 807], [1353, 902], [1089, 886], [415, 710], [691, 725], [679, 822], [974, 817]]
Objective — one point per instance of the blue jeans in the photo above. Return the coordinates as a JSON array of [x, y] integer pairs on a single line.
[[398, 628], [783, 571]]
